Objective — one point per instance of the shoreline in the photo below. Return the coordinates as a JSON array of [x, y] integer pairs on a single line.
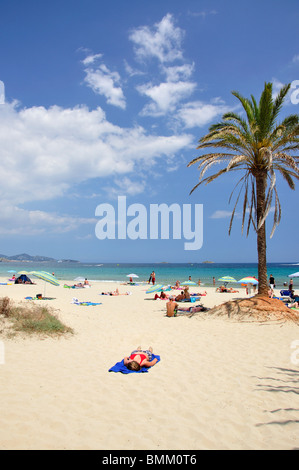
[[212, 389]]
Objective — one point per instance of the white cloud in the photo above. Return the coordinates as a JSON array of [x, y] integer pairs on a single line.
[[295, 59], [163, 41], [91, 59], [179, 72], [132, 72], [221, 214], [46, 151], [16, 221], [104, 82], [165, 96], [126, 186], [202, 14], [198, 114]]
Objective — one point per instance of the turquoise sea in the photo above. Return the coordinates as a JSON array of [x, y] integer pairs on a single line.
[[166, 273]]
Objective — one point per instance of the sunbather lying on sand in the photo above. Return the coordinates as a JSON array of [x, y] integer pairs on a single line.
[[139, 358], [162, 296], [225, 289], [116, 292]]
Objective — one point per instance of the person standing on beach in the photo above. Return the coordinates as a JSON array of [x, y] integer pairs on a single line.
[[272, 282], [150, 278], [214, 281], [153, 277], [291, 285]]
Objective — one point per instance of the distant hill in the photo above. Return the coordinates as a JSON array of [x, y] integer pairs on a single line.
[[25, 257]]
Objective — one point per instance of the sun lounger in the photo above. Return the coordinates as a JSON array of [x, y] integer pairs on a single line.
[[286, 293]]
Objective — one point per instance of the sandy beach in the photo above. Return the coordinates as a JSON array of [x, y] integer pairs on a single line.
[[220, 384]]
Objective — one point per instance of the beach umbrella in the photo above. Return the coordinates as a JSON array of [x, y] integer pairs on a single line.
[[156, 288], [227, 279], [79, 279], [132, 275], [294, 275], [188, 283], [167, 288], [23, 272], [47, 277], [249, 280]]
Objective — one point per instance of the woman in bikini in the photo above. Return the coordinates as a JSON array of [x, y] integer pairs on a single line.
[[139, 358]]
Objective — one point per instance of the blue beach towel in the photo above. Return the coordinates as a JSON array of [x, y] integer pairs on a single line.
[[120, 367], [87, 303]]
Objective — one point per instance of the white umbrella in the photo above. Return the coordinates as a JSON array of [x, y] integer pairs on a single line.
[[132, 275], [294, 275]]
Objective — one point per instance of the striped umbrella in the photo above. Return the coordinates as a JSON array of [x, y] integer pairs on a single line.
[[156, 288], [188, 283], [47, 277], [249, 280], [227, 279]]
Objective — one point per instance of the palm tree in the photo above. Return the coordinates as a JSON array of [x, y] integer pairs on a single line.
[[259, 146]]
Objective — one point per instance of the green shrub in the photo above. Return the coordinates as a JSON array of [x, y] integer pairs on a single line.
[[32, 318]]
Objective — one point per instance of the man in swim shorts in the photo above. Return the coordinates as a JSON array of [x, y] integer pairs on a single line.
[[171, 307]]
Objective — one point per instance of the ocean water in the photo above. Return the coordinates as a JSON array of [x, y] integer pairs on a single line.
[[166, 273]]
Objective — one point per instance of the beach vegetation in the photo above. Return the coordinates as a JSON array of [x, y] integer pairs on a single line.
[[257, 145], [30, 318]]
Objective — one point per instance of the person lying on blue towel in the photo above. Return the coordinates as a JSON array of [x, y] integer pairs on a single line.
[[139, 358]]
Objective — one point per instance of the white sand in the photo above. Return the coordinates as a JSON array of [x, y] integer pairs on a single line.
[[220, 384]]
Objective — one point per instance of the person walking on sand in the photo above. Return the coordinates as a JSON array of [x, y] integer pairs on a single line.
[[153, 277]]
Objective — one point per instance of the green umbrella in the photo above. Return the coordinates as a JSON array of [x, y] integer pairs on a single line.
[[156, 288], [188, 283], [47, 277], [227, 279]]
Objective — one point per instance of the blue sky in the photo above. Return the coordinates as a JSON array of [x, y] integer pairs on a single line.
[[109, 98]]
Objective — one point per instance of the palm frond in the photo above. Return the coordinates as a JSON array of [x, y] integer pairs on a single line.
[[277, 213], [257, 145]]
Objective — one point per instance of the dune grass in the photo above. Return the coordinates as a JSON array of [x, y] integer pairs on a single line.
[[31, 318]]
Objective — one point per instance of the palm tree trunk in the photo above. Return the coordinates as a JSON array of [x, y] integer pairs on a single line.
[[261, 184]]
